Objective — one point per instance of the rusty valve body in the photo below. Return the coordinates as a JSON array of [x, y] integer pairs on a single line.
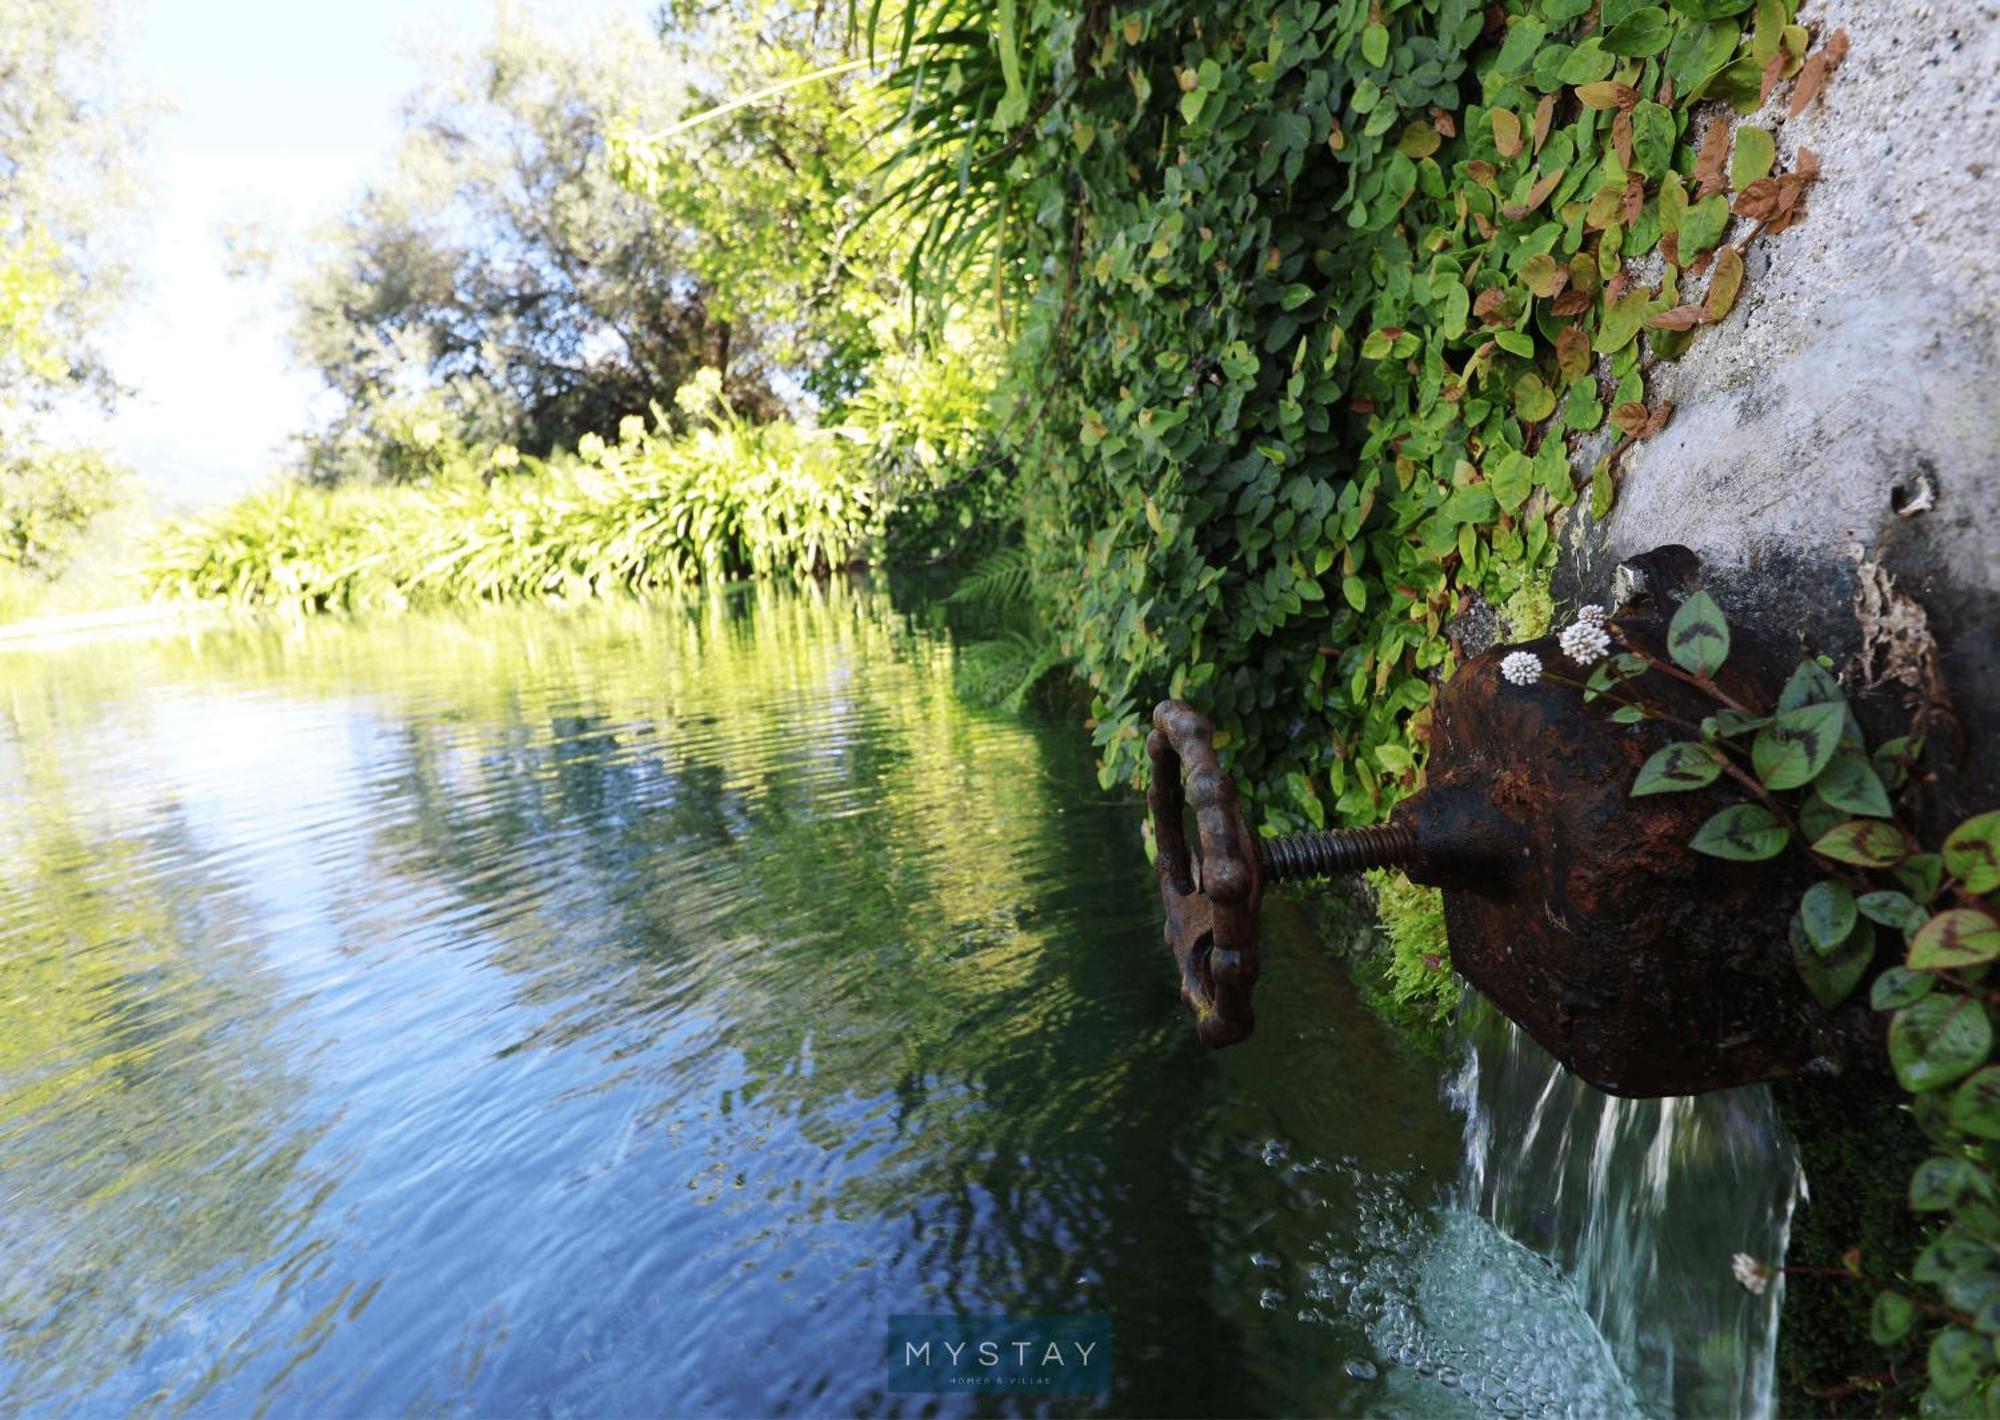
[[1645, 968]]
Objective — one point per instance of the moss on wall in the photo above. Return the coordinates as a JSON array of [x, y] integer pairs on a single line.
[[1858, 1145]]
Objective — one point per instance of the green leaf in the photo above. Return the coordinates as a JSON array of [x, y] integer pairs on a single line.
[[1975, 1105], [1921, 875], [1891, 909], [1864, 842], [1792, 751], [1355, 591], [1473, 503], [1652, 138], [1523, 39], [1587, 63], [1744, 832], [1952, 1251], [1890, 1319], [1959, 938], [1957, 1359], [1899, 986], [1682, 765], [1191, 103], [1938, 1041], [1711, 9], [1810, 684], [1534, 401], [1756, 149], [1828, 911], [1831, 975], [1851, 783], [1941, 1184], [1731, 723], [1375, 45], [1628, 715], [1642, 33], [1702, 225], [1698, 636], [1972, 853]]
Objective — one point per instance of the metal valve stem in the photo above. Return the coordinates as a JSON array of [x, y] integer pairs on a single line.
[[1299, 856]]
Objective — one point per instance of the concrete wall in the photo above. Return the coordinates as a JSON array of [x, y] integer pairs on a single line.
[[1834, 454]]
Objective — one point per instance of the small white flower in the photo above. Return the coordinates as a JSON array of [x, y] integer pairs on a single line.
[[1751, 1273], [1590, 612], [1521, 667], [1585, 641]]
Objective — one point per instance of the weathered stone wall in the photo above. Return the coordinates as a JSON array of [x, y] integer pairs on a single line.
[[1846, 415]]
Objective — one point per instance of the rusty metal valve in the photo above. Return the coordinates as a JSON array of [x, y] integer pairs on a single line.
[[1581, 912], [1212, 923]]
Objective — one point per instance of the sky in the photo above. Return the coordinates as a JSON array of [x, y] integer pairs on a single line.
[[275, 113]]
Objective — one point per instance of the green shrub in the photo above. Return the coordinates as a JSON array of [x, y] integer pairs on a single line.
[[728, 499], [48, 498]]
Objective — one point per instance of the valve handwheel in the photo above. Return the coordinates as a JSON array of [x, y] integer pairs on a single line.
[[1211, 906]]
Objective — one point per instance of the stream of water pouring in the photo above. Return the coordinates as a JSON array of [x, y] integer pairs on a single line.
[[1640, 1203]]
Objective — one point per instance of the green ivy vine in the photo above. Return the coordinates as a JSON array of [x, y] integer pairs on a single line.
[[1310, 301]]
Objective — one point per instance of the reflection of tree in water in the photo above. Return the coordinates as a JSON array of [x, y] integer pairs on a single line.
[[148, 1144], [756, 853]]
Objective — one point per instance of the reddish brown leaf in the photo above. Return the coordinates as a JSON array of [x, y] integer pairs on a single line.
[[1709, 173], [1537, 195], [1573, 302], [1545, 113], [1635, 197], [1679, 318], [1773, 72], [1617, 285], [1621, 137], [1444, 123], [1630, 417], [1572, 352], [1485, 225], [1506, 131], [1758, 201], [1488, 303], [1807, 165], [1670, 247], [1480, 171], [1657, 420], [1811, 75]]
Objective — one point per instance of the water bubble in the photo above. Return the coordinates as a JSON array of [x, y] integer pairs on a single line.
[[1265, 1260], [1271, 1299], [1362, 1370]]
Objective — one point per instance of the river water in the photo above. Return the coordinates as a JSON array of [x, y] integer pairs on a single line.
[[626, 1010]]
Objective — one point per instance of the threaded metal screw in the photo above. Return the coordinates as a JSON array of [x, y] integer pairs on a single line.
[[1298, 856]]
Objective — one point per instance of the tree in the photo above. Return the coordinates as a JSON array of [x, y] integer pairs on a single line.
[[501, 279], [68, 138], [68, 142]]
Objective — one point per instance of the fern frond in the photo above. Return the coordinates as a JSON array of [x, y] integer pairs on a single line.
[[999, 582], [1002, 672]]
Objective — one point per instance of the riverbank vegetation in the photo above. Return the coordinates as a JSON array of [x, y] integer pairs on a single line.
[[1274, 342]]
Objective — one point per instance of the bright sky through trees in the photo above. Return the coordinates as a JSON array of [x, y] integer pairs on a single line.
[[275, 114]]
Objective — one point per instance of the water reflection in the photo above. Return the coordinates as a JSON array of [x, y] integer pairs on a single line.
[[626, 1011]]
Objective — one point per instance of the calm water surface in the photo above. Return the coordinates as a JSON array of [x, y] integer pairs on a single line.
[[625, 1011]]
